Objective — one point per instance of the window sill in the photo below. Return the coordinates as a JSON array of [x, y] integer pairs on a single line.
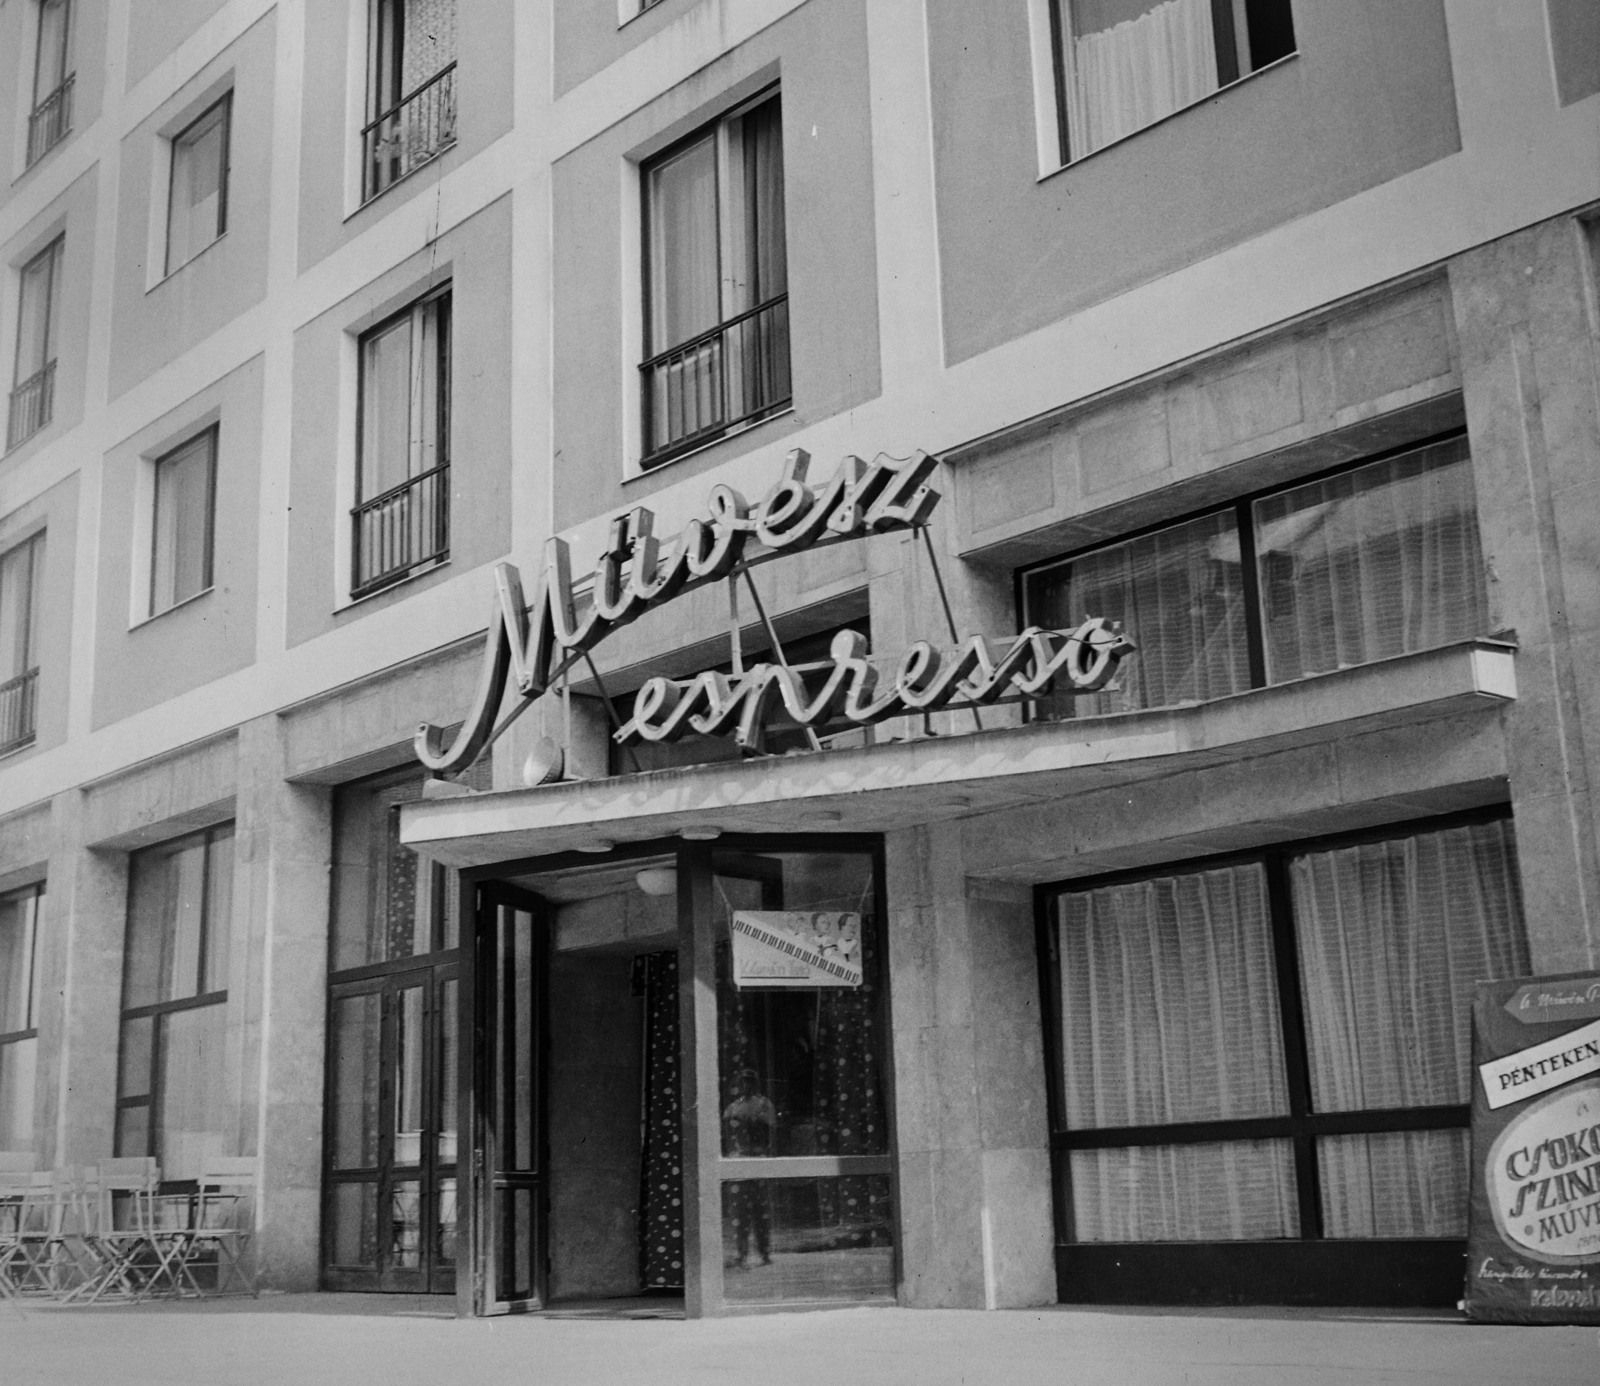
[[640, 471], [639, 13], [405, 177], [168, 610], [18, 747], [178, 269], [27, 438], [1182, 110], [410, 575]]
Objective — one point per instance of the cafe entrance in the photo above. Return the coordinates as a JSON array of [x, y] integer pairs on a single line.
[[678, 1062]]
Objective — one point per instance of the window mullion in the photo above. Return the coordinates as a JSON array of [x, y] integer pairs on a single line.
[[1250, 578], [1297, 1064]]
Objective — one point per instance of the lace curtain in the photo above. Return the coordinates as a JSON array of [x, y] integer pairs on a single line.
[[1135, 72]]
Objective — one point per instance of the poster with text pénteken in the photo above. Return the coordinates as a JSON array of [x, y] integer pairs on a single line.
[[1533, 1241]]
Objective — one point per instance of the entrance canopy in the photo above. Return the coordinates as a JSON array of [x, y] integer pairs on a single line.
[[903, 784]]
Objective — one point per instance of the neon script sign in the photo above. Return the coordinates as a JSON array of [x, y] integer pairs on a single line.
[[636, 572]]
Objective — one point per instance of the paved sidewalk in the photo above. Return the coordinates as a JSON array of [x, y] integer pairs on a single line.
[[351, 1340]]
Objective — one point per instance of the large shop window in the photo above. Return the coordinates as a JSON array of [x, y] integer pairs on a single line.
[[1379, 560], [717, 283], [807, 1202], [1125, 64], [1275, 1047], [411, 89], [33, 383], [401, 516], [51, 117], [389, 1181], [19, 1033], [21, 602], [170, 1098]]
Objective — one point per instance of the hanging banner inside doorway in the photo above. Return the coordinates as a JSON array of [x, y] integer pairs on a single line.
[[796, 948], [1533, 1248]]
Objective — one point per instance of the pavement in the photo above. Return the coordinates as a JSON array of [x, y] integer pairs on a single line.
[[309, 1340]]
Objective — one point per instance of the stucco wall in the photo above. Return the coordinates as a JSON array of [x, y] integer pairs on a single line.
[[156, 27], [1369, 97], [151, 324], [818, 56], [86, 57], [55, 512], [139, 663], [476, 259]]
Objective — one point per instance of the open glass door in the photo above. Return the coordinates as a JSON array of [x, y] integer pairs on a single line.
[[510, 1137]]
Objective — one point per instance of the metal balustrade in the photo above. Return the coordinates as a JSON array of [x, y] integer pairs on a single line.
[[18, 708], [50, 121], [405, 526], [733, 374], [32, 403], [411, 132]]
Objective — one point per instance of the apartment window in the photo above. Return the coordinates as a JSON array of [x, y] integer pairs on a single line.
[[402, 512], [174, 985], [197, 203], [21, 597], [1377, 560], [19, 1032], [33, 380], [1277, 1046], [183, 516], [51, 117], [411, 89], [716, 297], [1125, 64]]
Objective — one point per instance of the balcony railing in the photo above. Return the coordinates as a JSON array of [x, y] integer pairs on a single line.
[[735, 373], [50, 121], [32, 403], [402, 528], [410, 133], [18, 704]]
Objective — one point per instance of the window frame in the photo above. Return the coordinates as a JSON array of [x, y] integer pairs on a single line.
[[176, 145], [35, 892], [1301, 1125], [385, 97], [210, 437], [1224, 14], [153, 1096], [715, 129], [44, 376], [441, 300], [29, 633], [1242, 509], [58, 95]]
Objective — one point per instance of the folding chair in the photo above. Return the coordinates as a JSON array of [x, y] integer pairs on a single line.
[[130, 1261], [222, 1230]]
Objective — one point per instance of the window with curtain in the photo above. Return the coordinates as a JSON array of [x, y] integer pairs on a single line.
[[716, 292], [19, 1033], [32, 402], [182, 516], [402, 510], [411, 104], [21, 598], [1125, 64], [170, 1099], [197, 200], [1276, 1046], [51, 114], [1377, 560]]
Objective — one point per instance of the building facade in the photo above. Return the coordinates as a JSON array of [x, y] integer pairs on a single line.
[[1266, 333]]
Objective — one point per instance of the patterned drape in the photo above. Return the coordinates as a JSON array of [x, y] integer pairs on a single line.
[[655, 977]]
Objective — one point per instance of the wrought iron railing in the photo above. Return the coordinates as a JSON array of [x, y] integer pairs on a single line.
[[32, 404], [50, 121], [736, 372], [399, 530], [18, 705], [411, 132]]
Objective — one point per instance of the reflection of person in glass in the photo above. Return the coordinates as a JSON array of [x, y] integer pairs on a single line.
[[747, 1124]]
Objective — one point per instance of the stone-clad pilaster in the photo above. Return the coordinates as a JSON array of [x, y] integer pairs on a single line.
[[283, 848], [973, 1141], [1528, 365]]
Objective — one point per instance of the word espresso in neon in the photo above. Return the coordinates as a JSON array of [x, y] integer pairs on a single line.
[[926, 680], [635, 572]]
